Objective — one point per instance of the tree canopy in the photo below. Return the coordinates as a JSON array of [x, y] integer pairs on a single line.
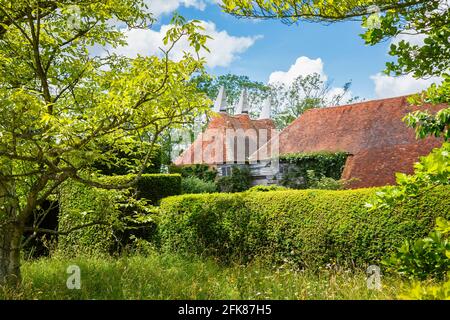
[[61, 103], [305, 93], [293, 11], [234, 85]]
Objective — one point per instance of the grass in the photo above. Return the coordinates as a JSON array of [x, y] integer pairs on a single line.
[[168, 276]]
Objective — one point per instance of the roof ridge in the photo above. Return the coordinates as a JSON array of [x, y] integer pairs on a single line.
[[358, 103], [322, 109]]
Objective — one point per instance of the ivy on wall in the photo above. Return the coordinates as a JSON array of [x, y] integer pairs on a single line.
[[295, 167]]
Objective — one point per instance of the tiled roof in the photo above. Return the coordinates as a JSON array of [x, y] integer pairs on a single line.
[[372, 132], [204, 148]]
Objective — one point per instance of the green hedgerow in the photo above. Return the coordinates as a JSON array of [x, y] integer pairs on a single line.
[[262, 188], [308, 228], [122, 213]]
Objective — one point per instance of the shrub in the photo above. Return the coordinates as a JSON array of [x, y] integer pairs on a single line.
[[123, 213], [424, 258], [262, 188], [239, 180], [323, 183], [324, 164], [306, 227], [201, 171], [196, 185], [155, 187]]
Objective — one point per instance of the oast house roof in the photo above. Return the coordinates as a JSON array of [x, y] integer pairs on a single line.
[[372, 132], [211, 146]]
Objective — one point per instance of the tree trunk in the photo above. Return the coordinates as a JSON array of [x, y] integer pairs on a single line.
[[10, 243], [10, 236]]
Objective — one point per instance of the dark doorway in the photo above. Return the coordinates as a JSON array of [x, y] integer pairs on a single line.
[[41, 244]]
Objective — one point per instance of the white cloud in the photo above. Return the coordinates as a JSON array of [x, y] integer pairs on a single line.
[[387, 86], [224, 48], [303, 66], [160, 7], [411, 37]]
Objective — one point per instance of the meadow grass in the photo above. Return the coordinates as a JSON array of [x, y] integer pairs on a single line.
[[169, 276]]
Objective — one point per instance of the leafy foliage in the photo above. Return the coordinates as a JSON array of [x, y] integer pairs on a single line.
[[201, 171], [261, 188], [111, 216], [155, 187], [233, 84], [293, 11], [424, 258], [323, 164], [322, 182], [305, 93], [426, 291], [61, 102], [196, 185], [426, 124], [129, 163], [239, 180], [308, 228]]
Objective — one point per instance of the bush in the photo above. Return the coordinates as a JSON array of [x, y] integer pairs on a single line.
[[323, 183], [323, 164], [155, 187], [240, 180], [123, 213], [424, 258], [308, 228], [201, 171], [262, 188], [196, 185]]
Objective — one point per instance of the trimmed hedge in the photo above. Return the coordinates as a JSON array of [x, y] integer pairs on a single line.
[[80, 204], [201, 171], [155, 187], [310, 228], [263, 188]]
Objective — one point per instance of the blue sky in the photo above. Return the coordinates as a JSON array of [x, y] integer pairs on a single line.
[[270, 51], [343, 52]]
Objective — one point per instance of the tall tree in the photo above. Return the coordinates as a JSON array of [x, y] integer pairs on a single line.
[[305, 93], [61, 104], [234, 84]]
